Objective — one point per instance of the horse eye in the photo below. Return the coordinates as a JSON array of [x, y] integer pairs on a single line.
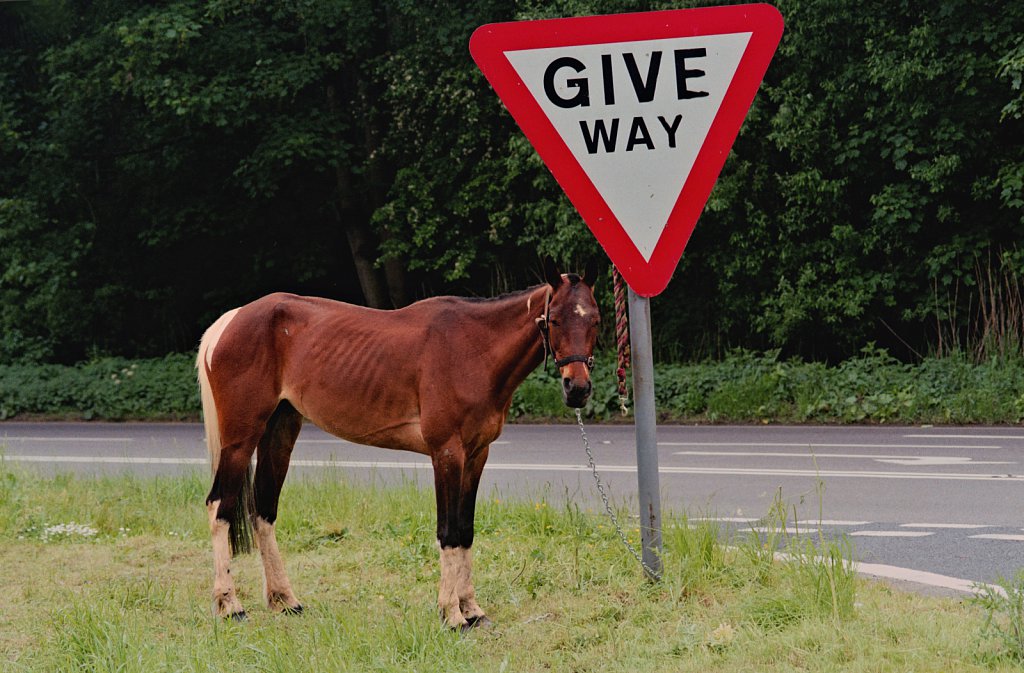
[[554, 323]]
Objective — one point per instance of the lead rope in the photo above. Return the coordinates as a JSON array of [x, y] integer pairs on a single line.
[[621, 338], [651, 572]]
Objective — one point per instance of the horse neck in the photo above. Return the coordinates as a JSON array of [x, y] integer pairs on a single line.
[[518, 348]]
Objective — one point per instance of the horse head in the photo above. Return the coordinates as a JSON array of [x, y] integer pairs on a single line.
[[569, 326]]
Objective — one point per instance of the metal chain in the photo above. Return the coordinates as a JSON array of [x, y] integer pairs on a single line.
[[653, 574]]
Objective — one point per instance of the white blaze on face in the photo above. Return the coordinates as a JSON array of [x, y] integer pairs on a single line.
[[580, 311]]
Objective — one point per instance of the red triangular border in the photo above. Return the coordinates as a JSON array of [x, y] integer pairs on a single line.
[[488, 44]]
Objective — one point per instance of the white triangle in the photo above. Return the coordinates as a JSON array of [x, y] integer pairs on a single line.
[[640, 184]]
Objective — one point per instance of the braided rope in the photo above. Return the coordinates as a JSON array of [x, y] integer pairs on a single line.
[[621, 338]]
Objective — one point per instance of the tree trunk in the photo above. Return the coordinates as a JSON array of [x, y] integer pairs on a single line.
[[394, 272], [352, 213], [361, 242]]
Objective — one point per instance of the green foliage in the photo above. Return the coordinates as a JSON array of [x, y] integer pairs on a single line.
[[760, 387], [854, 167], [744, 387], [105, 389], [1004, 616], [162, 162]]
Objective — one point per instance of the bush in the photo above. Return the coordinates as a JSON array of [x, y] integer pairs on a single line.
[[758, 387], [745, 387], [113, 389]]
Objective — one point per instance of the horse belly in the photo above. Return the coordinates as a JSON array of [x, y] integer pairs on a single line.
[[359, 403]]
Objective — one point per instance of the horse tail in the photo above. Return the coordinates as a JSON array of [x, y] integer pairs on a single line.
[[240, 529]]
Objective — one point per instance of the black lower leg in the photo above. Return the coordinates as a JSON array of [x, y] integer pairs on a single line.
[[273, 454]]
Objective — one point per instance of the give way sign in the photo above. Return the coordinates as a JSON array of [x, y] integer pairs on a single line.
[[634, 114]]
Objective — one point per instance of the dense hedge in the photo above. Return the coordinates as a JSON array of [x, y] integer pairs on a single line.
[[744, 387], [111, 389], [872, 388]]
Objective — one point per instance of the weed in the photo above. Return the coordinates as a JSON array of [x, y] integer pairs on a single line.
[[1003, 605]]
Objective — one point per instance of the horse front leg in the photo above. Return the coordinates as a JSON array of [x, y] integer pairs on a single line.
[[456, 479]]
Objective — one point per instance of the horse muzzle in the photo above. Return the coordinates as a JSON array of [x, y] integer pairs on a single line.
[[576, 391]]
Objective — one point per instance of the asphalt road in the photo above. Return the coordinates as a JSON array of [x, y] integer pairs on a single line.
[[941, 500]]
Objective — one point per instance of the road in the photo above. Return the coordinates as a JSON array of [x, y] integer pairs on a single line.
[[943, 500]]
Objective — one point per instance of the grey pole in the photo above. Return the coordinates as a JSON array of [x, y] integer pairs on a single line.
[[646, 430]]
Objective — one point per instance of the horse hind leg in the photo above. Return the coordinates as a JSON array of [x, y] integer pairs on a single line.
[[228, 506], [272, 457]]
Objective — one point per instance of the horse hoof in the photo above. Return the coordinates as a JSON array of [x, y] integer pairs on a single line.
[[238, 616], [289, 610], [479, 622]]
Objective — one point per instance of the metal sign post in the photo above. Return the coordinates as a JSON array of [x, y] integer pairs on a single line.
[[645, 419], [576, 86]]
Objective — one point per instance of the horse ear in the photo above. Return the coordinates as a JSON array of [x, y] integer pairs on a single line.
[[551, 273], [590, 272]]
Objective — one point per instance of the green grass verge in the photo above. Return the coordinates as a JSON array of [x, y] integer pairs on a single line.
[[113, 574]]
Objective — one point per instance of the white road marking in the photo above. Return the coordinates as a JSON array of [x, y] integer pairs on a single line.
[[807, 522], [726, 519], [322, 441], [963, 526], [199, 440], [942, 460], [998, 536], [922, 577], [338, 440], [543, 467], [813, 445], [916, 576], [945, 436], [897, 460], [890, 533], [67, 439], [106, 460]]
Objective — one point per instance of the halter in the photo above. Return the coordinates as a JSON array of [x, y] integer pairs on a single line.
[[545, 335]]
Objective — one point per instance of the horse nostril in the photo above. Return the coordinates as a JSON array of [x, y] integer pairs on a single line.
[[566, 383]]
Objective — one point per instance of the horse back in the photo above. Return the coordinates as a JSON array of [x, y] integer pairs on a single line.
[[356, 372]]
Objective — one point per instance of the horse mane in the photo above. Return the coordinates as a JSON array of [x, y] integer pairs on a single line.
[[571, 277], [496, 299]]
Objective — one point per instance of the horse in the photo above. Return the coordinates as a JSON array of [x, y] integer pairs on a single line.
[[435, 377]]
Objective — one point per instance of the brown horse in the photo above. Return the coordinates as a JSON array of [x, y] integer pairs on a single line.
[[435, 377]]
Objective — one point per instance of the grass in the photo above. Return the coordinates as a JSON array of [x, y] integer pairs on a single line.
[[113, 574]]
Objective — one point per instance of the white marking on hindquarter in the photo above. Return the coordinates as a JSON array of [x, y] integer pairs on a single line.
[[214, 334], [580, 311]]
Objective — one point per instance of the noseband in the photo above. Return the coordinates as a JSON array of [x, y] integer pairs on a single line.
[[545, 335]]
